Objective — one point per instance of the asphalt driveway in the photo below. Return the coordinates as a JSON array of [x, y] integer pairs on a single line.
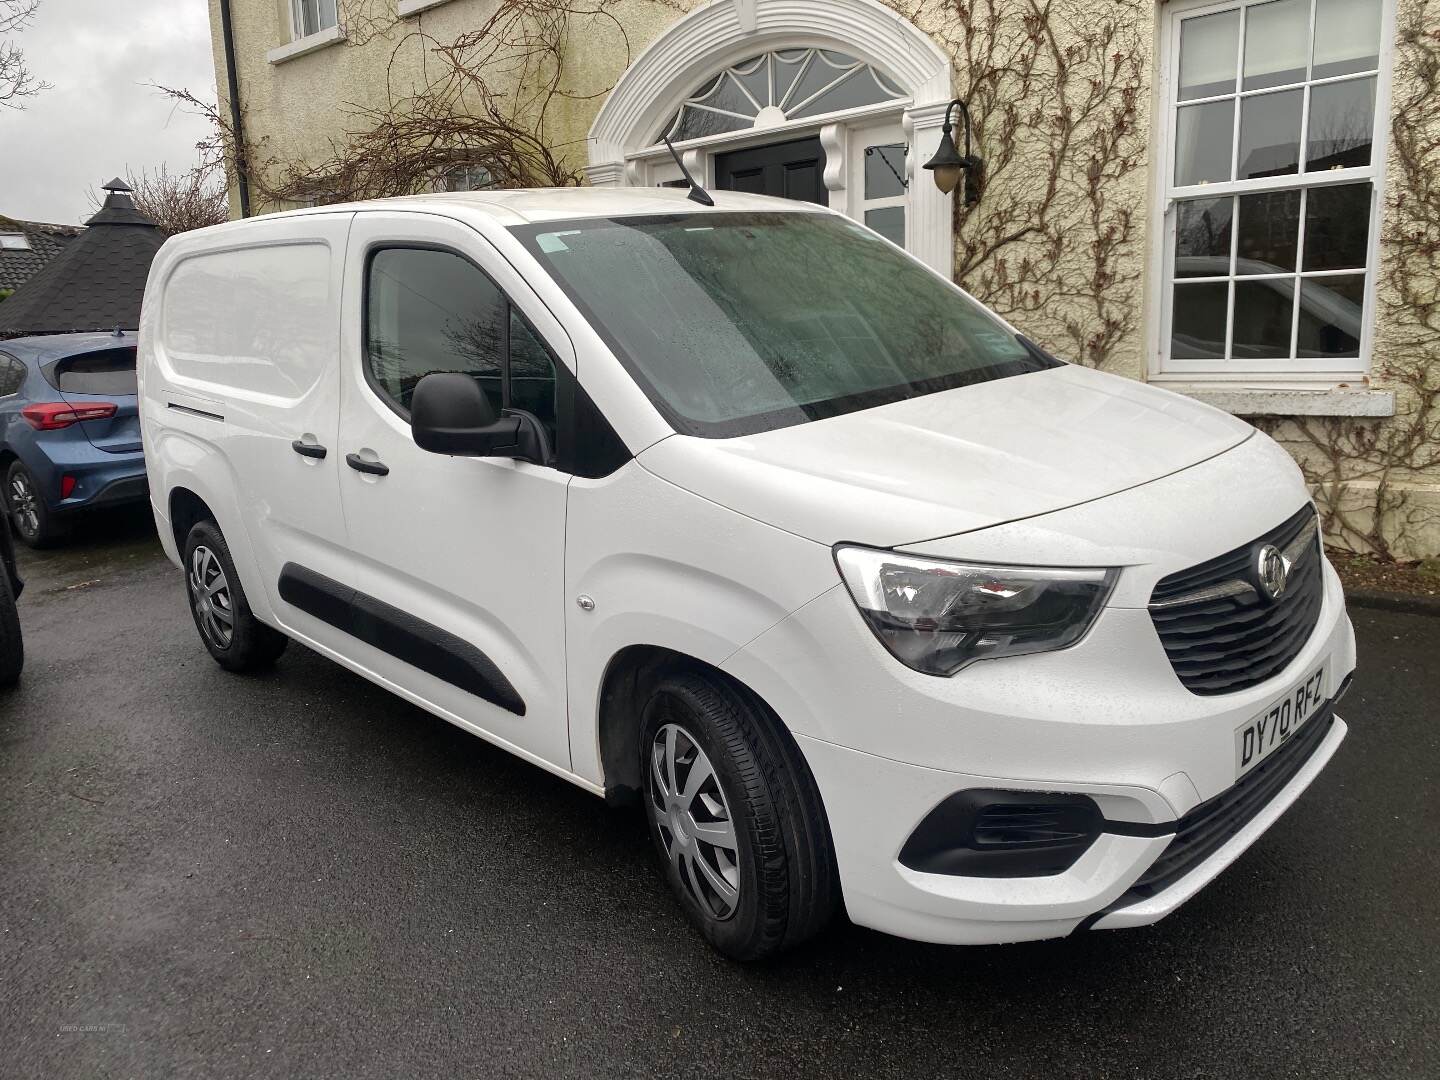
[[298, 875]]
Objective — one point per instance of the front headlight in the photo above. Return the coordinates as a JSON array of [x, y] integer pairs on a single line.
[[938, 616]]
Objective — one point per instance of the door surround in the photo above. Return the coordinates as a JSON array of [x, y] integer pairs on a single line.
[[623, 143]]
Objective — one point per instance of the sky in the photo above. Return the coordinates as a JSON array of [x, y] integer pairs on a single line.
[[102, 117]]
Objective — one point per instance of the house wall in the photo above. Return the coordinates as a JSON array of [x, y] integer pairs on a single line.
[[1067, 120]]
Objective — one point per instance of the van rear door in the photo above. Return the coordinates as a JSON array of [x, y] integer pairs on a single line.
[[99, 377], [248, 354]]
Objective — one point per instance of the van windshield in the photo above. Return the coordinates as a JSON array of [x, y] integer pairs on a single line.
[[735, 323]]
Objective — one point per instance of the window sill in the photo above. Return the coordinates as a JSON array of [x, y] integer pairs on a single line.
[[331, 35], [1245, 401], [415, 7]]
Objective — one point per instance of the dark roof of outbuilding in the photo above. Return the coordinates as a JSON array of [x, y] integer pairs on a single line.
[[96, 283], [46, 241]]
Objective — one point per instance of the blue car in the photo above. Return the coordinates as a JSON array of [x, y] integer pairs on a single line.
[[69, 430]]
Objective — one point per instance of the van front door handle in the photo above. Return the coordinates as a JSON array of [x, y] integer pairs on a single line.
[[359, 464], [308, 449]]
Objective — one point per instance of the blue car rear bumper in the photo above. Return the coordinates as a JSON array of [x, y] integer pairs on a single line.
[[101, 479]]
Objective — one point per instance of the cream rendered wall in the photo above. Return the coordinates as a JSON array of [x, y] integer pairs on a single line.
[[295, 109]]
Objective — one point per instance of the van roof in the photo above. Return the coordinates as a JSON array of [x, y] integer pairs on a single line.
[[520, 206]]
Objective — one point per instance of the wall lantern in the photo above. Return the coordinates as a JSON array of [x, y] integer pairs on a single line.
[[947, 164]]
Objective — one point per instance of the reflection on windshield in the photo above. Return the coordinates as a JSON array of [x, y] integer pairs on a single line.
[[736, 323]]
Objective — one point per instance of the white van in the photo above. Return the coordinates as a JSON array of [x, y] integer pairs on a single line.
[[741, 513]]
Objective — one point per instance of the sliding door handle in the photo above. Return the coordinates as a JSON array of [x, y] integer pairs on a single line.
[[359, 464], [307, 449]]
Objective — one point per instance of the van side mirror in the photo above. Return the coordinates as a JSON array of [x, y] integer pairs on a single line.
[[450, 414]]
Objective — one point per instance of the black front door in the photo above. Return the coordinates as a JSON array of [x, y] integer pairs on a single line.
[[792, 170]]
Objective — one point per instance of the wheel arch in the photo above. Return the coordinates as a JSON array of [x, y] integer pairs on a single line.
[[186, 508], [191, 482], [630, 676]]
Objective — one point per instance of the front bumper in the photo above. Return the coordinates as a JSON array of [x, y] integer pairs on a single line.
[[1096, 892], [1105, 718]]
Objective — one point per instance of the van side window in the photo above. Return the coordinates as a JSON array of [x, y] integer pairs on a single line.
[[428, 311]]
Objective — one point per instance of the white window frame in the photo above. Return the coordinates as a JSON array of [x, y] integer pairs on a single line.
[[297, 19], [1299, 373], [302, 44], [23, 245], [890, 133]]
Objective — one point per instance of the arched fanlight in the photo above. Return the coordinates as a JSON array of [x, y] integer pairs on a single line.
[[775, 87]]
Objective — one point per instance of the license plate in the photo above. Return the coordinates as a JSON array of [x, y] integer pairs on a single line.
[[1273, 728]]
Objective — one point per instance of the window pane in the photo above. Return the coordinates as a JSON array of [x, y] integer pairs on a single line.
[[1337, 227], [889, 222], [532, 374], [697, 123], [1270, 134], [431, 311], [725, 93], [884, 168], [818, 74], [1197, 326], [858, 89], [1263, 311], [1208, 46], [1347, 37], [1330, 315], [468, 178], [788, 63], [1204, 135], [1202, 238], [754, 75], [1275, 39], [1269, 232], [1342, 125], [312, 16]]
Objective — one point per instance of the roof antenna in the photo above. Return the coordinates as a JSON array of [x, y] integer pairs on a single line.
[[697, 193]]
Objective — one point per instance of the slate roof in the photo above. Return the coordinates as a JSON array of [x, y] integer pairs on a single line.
[[96, 282], [46, 241]]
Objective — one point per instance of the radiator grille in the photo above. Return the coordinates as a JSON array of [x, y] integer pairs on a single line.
[[1221, 631]]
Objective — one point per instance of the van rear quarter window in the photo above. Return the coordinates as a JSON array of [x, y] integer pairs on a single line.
[[259, 320]]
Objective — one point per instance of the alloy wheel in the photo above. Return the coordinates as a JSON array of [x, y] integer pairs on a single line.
[[210, 596], [694, 821], [23, 505]]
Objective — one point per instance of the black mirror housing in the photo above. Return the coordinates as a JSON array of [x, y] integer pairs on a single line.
[[450, 414]]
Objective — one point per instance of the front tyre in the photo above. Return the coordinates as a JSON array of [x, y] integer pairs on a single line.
[[736, 817], [233, 636]]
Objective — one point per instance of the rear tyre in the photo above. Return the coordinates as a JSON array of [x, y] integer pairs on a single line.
[[34, 523], [736, 818], [12, 648], [233, 636]]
